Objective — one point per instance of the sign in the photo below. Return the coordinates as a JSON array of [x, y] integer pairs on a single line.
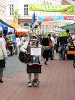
[[36, 51], [50, 18], [51, 8], [15, 17], [68, 17]]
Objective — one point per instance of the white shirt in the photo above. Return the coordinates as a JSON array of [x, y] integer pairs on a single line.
[[18, 41], [53, 41]]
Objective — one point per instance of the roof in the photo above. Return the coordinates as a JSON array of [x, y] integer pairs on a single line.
[[5, 23]]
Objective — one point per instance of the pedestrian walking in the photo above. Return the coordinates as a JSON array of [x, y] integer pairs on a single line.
[[51, 48], [63, 41], [46, 47], [10, 44], [3, 56], [18, 42]]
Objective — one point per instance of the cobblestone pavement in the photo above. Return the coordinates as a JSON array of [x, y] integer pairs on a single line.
[[57, 82]]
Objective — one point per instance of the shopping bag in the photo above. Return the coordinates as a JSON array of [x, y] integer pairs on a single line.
[[59, 49]]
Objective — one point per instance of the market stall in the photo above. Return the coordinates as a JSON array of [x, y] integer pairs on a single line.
[[19, 30], [70, 53]]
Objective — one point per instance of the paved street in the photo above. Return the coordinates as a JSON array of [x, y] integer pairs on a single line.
[[13, 66], [57, 82]]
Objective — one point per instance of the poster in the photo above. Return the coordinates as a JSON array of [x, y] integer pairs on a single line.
[[36, 51]]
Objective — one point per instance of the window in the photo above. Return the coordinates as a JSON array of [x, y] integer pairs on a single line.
[[25, 9], [11, 9]]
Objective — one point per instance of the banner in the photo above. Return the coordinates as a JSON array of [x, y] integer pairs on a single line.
[[68, 17], [15, 17], [50, 18], [51, 8]]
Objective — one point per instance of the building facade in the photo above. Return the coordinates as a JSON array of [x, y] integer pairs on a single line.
[[25, 16], [2, 10]]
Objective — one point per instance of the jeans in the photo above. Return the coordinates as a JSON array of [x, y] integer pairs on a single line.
[[63, 51]]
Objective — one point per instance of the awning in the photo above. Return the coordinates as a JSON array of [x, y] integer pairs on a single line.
[[4, 28], [70, 27], [19, 29], [16, 26]]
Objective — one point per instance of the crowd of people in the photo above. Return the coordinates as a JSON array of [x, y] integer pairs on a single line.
[[48, 44]]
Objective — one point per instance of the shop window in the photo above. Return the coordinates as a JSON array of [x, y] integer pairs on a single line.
[[11, 9], [25, 9]]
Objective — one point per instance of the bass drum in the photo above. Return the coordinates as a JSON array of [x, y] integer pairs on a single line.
[[24, 58]]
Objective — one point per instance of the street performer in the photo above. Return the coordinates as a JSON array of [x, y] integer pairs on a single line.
[[33, 63]]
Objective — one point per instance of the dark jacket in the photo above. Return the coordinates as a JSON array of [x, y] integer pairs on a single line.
[[45, 42]]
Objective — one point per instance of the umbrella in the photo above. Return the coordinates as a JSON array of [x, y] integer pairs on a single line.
[[70, 27], [19, 29]]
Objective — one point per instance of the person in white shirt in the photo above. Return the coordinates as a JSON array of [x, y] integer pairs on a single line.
[[17, 41], [53, 42], [3, 56]]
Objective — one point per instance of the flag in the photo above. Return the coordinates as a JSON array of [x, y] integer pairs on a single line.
[[39, 23], [33, 18], [15, 17]]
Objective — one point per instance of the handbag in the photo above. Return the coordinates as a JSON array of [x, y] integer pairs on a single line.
[[50, 44], [67, 47], [2, 63], [59, 49]]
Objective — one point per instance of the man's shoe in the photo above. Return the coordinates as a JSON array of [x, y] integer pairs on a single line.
[[45, 62], [52, 59], [1, 81], [35, 83], [29, 84]]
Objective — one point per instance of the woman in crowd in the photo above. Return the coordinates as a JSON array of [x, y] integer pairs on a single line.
[[3, 56], [10, 44], [46, 47]]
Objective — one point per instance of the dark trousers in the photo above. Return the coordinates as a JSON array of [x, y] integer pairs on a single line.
[[1, 73], [50, 53], [11, 49]]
